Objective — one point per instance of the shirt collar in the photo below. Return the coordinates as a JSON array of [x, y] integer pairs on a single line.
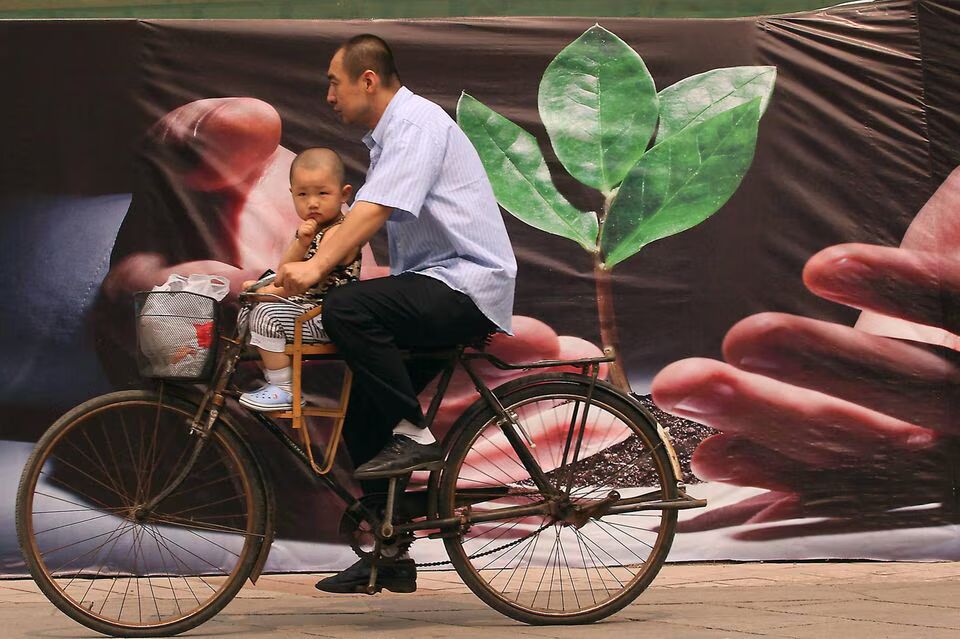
[[375, 137]]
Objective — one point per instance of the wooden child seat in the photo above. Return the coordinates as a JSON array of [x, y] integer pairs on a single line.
[[297, 350]]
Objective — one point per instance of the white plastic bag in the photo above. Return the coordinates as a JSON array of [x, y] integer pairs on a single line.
[[215, 286], [178, 345]]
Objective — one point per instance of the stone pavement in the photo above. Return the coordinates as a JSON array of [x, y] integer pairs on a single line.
[[799, 600]]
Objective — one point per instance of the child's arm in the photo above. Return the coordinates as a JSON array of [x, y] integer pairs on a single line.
[[301, 242], [294, 252]]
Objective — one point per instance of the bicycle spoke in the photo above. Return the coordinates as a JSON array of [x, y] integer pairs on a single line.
[[193, 488], [119, 567], [188, 524], [207, 505], [105, 561], [73, 523], [529, 544], [98, 463], [87, 475], [578, 570]]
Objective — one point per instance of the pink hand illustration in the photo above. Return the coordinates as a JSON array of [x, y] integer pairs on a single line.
[[223, 155], [850, 424]]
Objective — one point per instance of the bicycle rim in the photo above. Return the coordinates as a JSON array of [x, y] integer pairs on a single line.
[[115, 568], [541, 569]]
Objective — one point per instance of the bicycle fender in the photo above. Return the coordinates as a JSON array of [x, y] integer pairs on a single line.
[[664, 437], [546, 378]]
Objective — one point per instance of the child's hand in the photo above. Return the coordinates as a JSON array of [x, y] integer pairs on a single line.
[[247, 284], [307, 231]]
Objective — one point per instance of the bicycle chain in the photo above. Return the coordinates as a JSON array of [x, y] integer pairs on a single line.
[[488, 552]]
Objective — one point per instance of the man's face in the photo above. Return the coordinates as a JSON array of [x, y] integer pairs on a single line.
[[347, 97]]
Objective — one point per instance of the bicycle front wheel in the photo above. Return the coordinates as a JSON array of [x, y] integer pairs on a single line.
[[104, 561], [575, 562]]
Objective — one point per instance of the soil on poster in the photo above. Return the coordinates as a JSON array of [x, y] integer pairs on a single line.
[[627, 464]]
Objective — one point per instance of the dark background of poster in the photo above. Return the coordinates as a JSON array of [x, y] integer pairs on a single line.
[[862, 127]]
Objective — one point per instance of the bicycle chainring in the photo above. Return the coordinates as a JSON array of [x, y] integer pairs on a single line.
[[358, 532]]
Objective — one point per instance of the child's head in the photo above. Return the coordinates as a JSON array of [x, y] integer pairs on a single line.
[[317, 185]]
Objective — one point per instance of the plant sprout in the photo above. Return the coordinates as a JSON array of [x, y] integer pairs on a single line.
[[664, 162]]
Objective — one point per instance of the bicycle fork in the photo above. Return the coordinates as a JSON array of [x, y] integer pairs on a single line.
[[202, 424]]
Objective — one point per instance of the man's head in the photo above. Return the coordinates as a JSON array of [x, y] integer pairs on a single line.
[[317, 185], [363, 77]]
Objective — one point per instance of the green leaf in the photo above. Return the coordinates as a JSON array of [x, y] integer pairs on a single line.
[[519, 174], [700, 97], [599, 105], [681, 182]]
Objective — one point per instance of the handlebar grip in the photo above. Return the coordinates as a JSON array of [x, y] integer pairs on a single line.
[[263, 281]]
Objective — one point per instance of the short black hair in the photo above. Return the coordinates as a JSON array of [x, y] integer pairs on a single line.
[[319, 157], [367, 51]]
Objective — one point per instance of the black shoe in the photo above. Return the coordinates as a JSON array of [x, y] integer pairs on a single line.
[[401, 456], [400, 576]]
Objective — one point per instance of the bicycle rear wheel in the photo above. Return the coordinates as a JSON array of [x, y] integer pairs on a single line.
[[102, 560], [552, 568]]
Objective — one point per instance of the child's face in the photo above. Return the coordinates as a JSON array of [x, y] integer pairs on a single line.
[[318, 194]]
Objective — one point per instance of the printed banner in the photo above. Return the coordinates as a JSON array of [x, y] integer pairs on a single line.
[[779, 194]]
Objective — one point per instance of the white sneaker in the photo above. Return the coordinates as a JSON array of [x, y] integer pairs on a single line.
[[269, 398]]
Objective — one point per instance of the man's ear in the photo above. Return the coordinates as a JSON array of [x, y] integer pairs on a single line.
[[370, 81]]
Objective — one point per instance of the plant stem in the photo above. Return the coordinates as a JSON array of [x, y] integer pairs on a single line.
[[609, 339]]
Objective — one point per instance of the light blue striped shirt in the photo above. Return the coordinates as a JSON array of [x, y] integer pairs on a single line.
[[446, 223]]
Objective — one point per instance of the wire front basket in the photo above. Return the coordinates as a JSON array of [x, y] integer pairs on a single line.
[[177, 334]]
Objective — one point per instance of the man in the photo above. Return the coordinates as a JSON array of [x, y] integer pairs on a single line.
[[452, 272]]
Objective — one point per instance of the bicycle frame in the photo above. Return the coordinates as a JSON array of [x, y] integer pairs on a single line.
[[213, 401]]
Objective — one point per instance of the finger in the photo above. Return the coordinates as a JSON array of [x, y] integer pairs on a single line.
[[861, 522], [904, 380], [911, 285], [733, 515], [936, 228], [734, 459], [492, 459], [802, 424], [899, 480], [532, 340], [225, 140]]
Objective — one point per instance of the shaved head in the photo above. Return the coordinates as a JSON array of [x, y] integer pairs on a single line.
[[319, 158], [368, 52]]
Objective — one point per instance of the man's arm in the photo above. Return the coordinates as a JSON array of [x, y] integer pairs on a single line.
[[364, 220]]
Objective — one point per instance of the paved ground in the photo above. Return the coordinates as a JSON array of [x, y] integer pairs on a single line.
[[816, 600]]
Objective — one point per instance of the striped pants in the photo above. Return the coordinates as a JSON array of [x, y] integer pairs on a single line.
[[272, 325]]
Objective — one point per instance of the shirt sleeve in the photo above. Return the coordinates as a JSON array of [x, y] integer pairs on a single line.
[[408, 166]]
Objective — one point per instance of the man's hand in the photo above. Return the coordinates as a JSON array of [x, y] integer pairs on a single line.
[[297, 277]]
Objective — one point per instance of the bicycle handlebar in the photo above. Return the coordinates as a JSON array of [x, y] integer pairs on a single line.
[[266, 280], [263, 281]]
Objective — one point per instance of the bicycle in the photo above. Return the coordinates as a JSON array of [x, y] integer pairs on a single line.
[[538, 511]]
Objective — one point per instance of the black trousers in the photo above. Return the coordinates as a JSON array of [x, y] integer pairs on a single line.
[[370, 322]]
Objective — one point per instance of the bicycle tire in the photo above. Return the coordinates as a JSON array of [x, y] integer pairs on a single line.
[[529, 397], [47, 478]]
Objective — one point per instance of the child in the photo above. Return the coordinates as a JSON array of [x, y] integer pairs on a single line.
[[319, 194]]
